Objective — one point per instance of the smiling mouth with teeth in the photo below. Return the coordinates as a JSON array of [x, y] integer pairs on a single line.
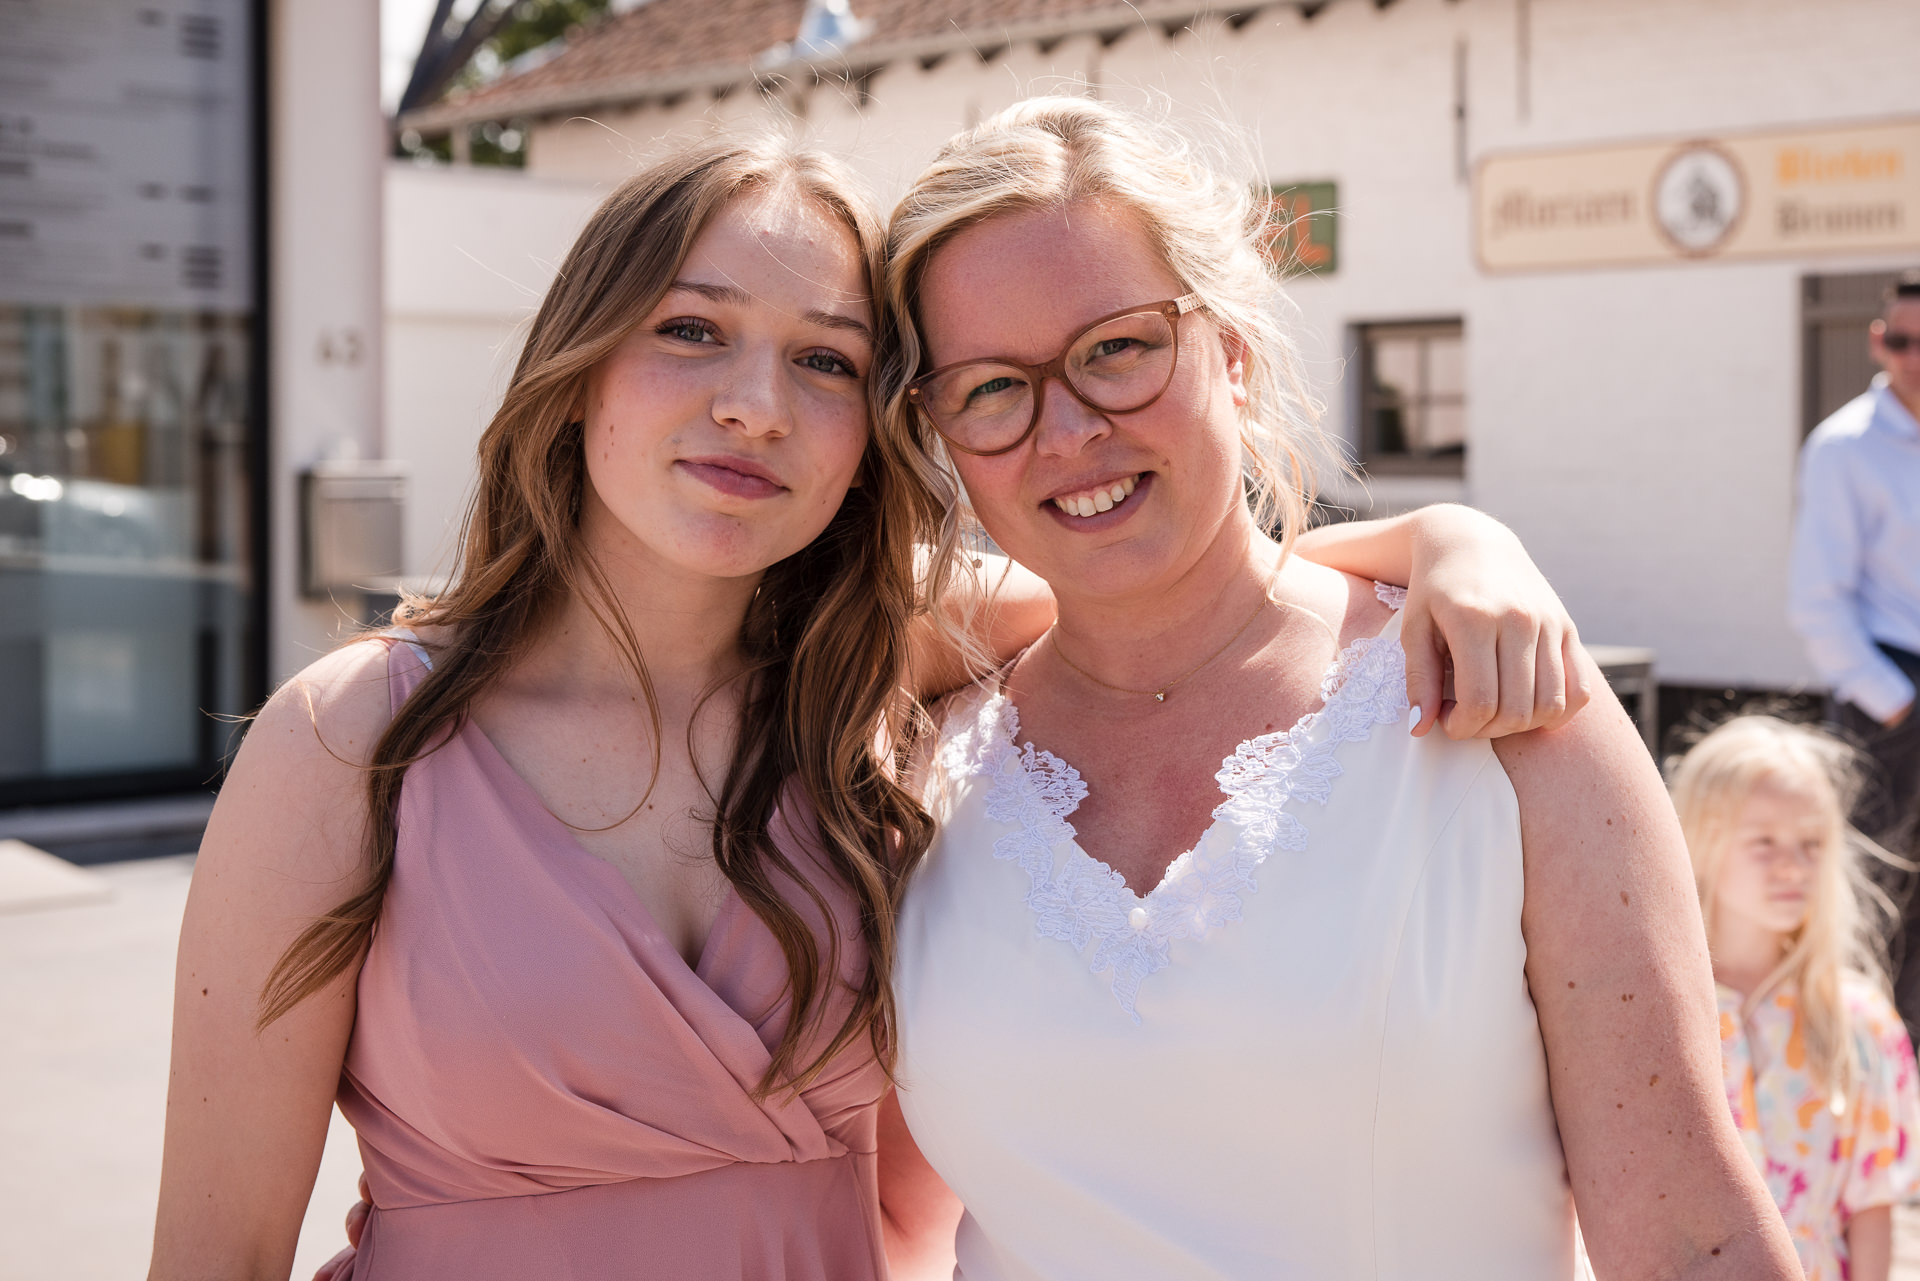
[[1091, 502]]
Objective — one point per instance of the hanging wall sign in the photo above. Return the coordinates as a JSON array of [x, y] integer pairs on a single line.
[[1302, 234], [124, 170], [1780, 194]]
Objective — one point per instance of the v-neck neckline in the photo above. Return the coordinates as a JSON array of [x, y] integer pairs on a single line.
[[1080, 900], [1066, 777], [562, 837]]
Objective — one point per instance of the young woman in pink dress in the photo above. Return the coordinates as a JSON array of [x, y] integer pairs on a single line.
[[578, 894]]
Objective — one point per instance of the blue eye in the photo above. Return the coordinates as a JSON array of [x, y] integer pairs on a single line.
[[989, 387], [828, 362], [687, 330]]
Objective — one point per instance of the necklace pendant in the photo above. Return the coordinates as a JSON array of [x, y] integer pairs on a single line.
[[1161, 697]]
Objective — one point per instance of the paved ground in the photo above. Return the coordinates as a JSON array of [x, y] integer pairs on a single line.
[[86, 995]]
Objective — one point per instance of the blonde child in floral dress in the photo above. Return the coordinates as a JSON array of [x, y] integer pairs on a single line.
[[1819, 1071]]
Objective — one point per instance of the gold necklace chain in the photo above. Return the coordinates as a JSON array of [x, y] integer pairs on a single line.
[[1160, 695]]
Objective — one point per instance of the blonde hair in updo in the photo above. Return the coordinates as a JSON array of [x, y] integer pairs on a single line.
[[1204, 219]]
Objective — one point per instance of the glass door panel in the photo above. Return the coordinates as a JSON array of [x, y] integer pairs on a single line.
[[128, 425]]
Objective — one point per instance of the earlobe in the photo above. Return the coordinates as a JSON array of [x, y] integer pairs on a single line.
[[1234, 348]]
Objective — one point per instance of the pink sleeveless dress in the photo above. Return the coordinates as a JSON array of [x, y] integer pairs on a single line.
[[543, 1088]]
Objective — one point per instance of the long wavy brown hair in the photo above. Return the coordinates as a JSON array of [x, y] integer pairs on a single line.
[[824, 637]]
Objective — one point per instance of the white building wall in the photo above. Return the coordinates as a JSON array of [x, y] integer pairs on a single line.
[[603, 145], [470, 253], [1637, 427], [324, 260]]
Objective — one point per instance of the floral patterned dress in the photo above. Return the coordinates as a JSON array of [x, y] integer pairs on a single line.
[[1825, 1158]]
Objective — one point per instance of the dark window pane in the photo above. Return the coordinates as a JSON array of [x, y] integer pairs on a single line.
[[1412, 409]]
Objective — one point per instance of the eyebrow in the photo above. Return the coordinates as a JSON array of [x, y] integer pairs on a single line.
[[734, 296]]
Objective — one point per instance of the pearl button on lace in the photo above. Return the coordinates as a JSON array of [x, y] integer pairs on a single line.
[[1137, 918]]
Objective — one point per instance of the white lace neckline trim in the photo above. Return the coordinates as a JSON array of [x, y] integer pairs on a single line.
[[1083, 900]]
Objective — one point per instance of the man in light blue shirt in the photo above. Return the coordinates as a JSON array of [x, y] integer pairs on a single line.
[[1854, 584]]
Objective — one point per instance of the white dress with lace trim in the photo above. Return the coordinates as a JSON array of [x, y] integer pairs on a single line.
[[1339, 1075], [1083, 900]]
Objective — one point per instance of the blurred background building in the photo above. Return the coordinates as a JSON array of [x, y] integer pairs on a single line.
[[1593, 267], [190, 273]]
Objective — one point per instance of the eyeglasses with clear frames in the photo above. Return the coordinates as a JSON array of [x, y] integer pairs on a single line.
[[1119, 364]]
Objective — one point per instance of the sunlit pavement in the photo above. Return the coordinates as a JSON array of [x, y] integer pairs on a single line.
[[86, 996]]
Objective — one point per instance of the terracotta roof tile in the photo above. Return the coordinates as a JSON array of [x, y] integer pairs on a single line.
[[917, 19], [669, 45], [663, 38]]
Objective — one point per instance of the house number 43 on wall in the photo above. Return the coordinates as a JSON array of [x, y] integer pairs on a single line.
[[342, 347]]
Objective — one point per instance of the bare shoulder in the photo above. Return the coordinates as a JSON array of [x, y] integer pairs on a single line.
[[296, 794], [334, 708], [1346, 603]]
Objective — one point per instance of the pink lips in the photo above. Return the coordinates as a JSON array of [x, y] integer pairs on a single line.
[[735, 477], [1103, 520]]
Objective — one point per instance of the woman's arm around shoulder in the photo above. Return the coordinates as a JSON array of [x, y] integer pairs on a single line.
[[993, 607], [1617, 965], [918, 1213], [1490, 648], [247, 1107], [1480, 617]]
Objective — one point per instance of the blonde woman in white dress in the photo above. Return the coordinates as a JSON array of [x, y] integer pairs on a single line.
[[1403, 1003]]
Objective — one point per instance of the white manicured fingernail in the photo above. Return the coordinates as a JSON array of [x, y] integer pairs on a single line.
[[1413, 717]]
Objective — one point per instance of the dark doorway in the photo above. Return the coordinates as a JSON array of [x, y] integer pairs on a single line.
[[1835, 311]]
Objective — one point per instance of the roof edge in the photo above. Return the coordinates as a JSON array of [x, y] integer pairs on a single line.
[[849, 64]]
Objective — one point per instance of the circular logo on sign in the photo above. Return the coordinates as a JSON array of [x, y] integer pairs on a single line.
[[1698, 197]]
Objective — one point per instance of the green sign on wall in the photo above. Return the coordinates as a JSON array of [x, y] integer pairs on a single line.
[[1302, 234]]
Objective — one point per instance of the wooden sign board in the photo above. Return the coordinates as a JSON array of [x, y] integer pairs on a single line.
[[1785, 194], [1302, 237]]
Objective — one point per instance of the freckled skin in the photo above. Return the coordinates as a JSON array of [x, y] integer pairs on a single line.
[[744, 386]]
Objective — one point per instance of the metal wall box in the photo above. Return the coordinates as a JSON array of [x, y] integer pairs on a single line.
[[351, 518]]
